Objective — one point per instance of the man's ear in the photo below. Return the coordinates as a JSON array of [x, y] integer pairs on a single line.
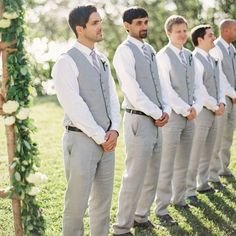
[[168, 33], [126, 25], [79, 29]]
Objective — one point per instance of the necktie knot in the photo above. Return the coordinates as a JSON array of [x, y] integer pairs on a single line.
[[146, 54], [95, 62]]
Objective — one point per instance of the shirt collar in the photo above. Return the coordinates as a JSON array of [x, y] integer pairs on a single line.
[[201, 51], [135, 41], [175, 49], [225, 44], [82, 48]]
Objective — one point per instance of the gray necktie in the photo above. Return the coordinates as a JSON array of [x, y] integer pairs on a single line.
[[183, 60], [146, 54], [209, 59], [95, 62], [231, 52]]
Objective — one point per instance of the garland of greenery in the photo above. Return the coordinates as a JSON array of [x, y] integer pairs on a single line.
[[19, 91]]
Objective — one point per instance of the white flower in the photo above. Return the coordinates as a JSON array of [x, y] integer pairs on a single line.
[[9, 120], [23, 113], [10, 106], [37, 178], [34, 191], [5, 23], [10, 15]]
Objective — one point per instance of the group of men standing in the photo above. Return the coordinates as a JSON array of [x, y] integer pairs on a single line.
[[178, 121]]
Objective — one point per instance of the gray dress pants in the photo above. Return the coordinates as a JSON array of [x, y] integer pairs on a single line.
[[224, 138], [201, 153], [143, 156], [177, 142], [89, 173]]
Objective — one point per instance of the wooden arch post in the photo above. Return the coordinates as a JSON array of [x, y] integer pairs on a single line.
[[10, 133]]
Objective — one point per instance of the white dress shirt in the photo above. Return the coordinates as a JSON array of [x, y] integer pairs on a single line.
[[208, 101], [218, 55], [65, 74], [176, 102], [124, 63]]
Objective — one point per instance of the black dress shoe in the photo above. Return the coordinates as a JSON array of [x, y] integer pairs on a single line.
[[144, 225], [184, 207], [167, 220], [125, 234], [193, 201], [209, 190], [217, 185], [229, 175]]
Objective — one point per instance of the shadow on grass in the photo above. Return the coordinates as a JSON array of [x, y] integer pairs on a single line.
[[198, 228], [173, 230], [46, 99], [231, 181], [218, 220]]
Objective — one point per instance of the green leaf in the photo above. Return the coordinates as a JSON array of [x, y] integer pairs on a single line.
[[24, 70], [27, 144], [17, 176]]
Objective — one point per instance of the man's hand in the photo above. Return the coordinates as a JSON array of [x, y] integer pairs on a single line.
[[234, 100], [192, 113], [220, 110], [163, 120], [111, 141]]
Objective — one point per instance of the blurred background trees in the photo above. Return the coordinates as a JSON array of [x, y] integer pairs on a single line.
[[49, 34]]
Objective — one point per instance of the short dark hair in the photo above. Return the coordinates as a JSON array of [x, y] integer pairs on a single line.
[[134, 13], [80, 16], [198, 32]]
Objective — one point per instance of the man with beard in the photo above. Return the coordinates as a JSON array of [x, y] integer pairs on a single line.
[[184, 94], [226, 53], [86, 91], [206, 123], [146, 110]]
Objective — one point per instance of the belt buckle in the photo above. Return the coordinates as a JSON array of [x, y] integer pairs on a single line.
[[131, 111]]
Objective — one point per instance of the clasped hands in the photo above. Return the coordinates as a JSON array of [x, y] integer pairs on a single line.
[[111, 141], [162, 121], [220, 110]]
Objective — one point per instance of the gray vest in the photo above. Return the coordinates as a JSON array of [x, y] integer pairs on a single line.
[[228, 65], [211, 76], [93, 88], [181, 76], [146, 75]]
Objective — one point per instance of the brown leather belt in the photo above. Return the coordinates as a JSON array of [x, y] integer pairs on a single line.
[[72, 128], [135, 112]]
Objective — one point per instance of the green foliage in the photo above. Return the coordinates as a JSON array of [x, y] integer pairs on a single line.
[[26, 154]]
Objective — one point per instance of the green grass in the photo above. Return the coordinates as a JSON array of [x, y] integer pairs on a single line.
[[216, 216]]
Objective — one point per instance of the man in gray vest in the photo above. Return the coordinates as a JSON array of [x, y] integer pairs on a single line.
[[184, 93], [208, 71], [86, 91], [227, 55], [146, 110]]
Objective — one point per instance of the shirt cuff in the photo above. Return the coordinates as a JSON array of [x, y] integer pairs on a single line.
[[99, 138], [167, 110], [198, 107]]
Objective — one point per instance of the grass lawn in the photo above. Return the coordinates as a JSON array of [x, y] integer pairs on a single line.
[[216, 216]]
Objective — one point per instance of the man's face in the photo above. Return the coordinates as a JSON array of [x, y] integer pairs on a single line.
[[232, 32], [208, 39], [93, 30], [138, 28], [178, 35]]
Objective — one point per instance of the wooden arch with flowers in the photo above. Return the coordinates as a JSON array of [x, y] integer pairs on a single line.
[[15, 96]]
